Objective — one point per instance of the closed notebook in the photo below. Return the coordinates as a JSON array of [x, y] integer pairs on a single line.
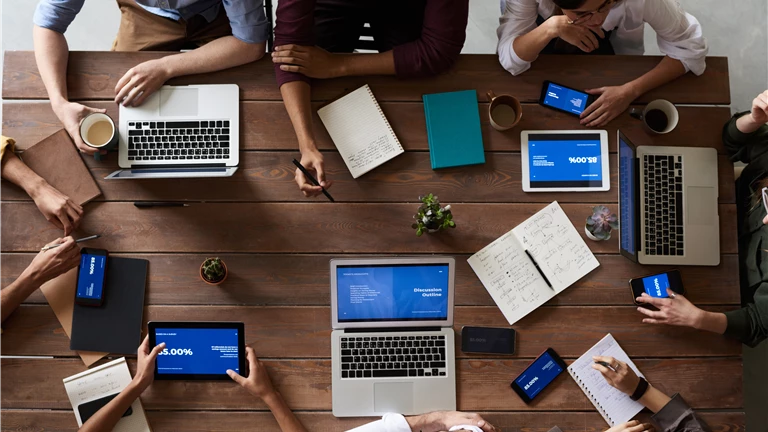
[[57, 160], [453, 129]]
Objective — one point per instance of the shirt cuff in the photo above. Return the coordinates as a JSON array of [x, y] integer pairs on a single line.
[[738, 324], [509, 59], [672, 413], [284, 77], [6, 144]]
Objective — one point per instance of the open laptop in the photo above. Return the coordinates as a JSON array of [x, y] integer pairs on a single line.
[[181, 131], [668, 204], [392, 345]]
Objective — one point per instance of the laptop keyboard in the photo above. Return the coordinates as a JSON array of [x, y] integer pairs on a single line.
[[663, 181], [178, 140], [393, 356]]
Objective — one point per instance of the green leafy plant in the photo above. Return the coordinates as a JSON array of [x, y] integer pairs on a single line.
[[432, 217], [602, 222], [213, 270]]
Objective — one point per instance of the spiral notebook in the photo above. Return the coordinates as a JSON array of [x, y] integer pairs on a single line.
[[615, 406], [360, 131]]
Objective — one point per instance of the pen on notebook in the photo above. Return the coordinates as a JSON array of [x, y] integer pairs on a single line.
[[150, 204], [93, 237], [602, 363], [535, 264], [312, 179]]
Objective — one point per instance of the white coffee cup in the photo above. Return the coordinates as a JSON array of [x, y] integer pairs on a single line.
[[659, 116], [107, 133]]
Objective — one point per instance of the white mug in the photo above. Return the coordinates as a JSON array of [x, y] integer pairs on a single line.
[[659, 116]]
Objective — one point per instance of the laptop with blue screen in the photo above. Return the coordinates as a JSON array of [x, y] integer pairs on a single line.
[[392, 345]]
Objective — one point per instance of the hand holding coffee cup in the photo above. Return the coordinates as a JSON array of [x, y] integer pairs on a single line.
[[504, 111], [659, 116], [98, 131]]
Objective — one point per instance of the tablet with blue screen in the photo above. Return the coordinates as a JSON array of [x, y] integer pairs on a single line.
[[565, 161]]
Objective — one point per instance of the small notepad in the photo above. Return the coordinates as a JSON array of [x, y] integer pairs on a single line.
[[615, 406], [360, 131]]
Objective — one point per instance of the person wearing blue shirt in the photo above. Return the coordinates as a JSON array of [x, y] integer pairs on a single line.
[[220, 34]]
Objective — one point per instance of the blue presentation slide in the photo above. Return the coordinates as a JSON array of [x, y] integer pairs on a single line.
[[656, 286], [197, 351], [90, 280], [538, 375], [565, 160], [392, 293], [627, 198], [565, 99]]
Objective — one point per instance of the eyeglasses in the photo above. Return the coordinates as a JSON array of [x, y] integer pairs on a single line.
[[582, 17], [765, 198]]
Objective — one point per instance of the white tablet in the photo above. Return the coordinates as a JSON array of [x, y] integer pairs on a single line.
[[565, 161]]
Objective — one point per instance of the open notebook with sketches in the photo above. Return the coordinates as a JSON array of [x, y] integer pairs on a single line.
[[360, 130], [615, 406], [106, 380], [509, 274]]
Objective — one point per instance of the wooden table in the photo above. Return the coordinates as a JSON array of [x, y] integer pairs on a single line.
[[277, 245]]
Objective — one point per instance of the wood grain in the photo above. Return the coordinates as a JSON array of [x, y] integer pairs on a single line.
[[266, 126], [303, 280], [304, 332], [294, 228], [205, 421], [306, 385], [93, 75]]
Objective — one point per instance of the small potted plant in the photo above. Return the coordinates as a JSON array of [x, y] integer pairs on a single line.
[[213, 271], [601, 223], [431, 217]]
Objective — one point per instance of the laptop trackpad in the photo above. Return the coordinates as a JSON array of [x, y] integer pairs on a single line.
[[393, 397], [178, 102], [699, 205]]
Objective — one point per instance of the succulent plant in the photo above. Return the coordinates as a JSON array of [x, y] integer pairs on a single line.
[[214, 270], [602, 222], [431, 217]]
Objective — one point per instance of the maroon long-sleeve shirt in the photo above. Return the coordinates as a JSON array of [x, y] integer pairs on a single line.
[[442, 37]]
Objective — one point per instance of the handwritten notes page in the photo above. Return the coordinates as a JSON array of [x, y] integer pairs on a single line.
[[101, 381], [615, 406], [510, 276], [360, 131]]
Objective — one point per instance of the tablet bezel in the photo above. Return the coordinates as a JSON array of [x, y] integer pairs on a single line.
[[604, 157], [153, 325]]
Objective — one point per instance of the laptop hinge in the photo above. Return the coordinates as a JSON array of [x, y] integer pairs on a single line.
[[392, 330], [166, 166], [638, 226]]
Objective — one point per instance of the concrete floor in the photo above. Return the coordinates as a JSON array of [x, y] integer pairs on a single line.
[[736, 29]]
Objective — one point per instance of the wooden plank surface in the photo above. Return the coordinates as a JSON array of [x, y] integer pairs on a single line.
[[306, 385], [93, 75], [258, 279]]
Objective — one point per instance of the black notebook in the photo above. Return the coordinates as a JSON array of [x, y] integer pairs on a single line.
[[115, 326]]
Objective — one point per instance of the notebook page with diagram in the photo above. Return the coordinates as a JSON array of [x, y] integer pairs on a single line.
[[615, 406], [510, 276], [360, 131]]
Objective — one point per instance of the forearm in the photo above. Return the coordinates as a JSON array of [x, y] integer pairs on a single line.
[[296, 95], [714, 322], [425, 422], [51, 55], [746, 124], [18, 173], [107, 417], [219, 54], [15, 293], [366, 64], [283, 414], [667, 70], [529, 45], [654, 399]]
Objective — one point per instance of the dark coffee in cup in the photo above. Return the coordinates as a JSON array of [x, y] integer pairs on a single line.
[[657, 120]]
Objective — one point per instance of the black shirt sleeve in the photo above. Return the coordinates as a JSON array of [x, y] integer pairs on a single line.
[[677, 416]]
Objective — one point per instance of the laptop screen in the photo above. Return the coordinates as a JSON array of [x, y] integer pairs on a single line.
[[402, 292], [627, 198]]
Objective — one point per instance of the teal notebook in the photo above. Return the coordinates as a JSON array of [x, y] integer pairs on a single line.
[[453, 129]]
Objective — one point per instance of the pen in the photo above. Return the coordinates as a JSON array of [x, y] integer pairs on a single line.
[[150, 204], [535, 264], [312, 179], [93, 237], [604, 364]]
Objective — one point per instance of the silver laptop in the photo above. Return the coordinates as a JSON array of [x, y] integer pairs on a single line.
[[392, 345], [181, 131], [668, 204]]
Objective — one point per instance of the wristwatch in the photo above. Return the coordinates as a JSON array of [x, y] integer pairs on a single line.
[[642, 387]]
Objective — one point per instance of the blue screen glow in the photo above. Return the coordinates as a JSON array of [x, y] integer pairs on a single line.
[[197, 351], [392, 293], [565, 160], [565, 99], [627, 197], [538, 375], [90, 281], [656, 285]]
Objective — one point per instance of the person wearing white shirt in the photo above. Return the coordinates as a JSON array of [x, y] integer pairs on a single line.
[[531, 27], [432, 422]]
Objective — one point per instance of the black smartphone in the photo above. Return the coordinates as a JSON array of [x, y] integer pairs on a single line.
[[88, 409], [656, 285], [91, 277], [538, 375], [565, 99], [488, 340]]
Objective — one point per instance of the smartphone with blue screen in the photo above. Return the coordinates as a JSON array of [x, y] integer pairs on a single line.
[[91, 277], [538, 375], [656, 285], [565, 99]]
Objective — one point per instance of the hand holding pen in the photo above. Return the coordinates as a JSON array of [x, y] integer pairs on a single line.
[[60, 242], [308, 176]]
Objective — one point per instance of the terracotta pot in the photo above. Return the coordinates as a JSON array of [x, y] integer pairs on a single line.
[[226, 273]]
